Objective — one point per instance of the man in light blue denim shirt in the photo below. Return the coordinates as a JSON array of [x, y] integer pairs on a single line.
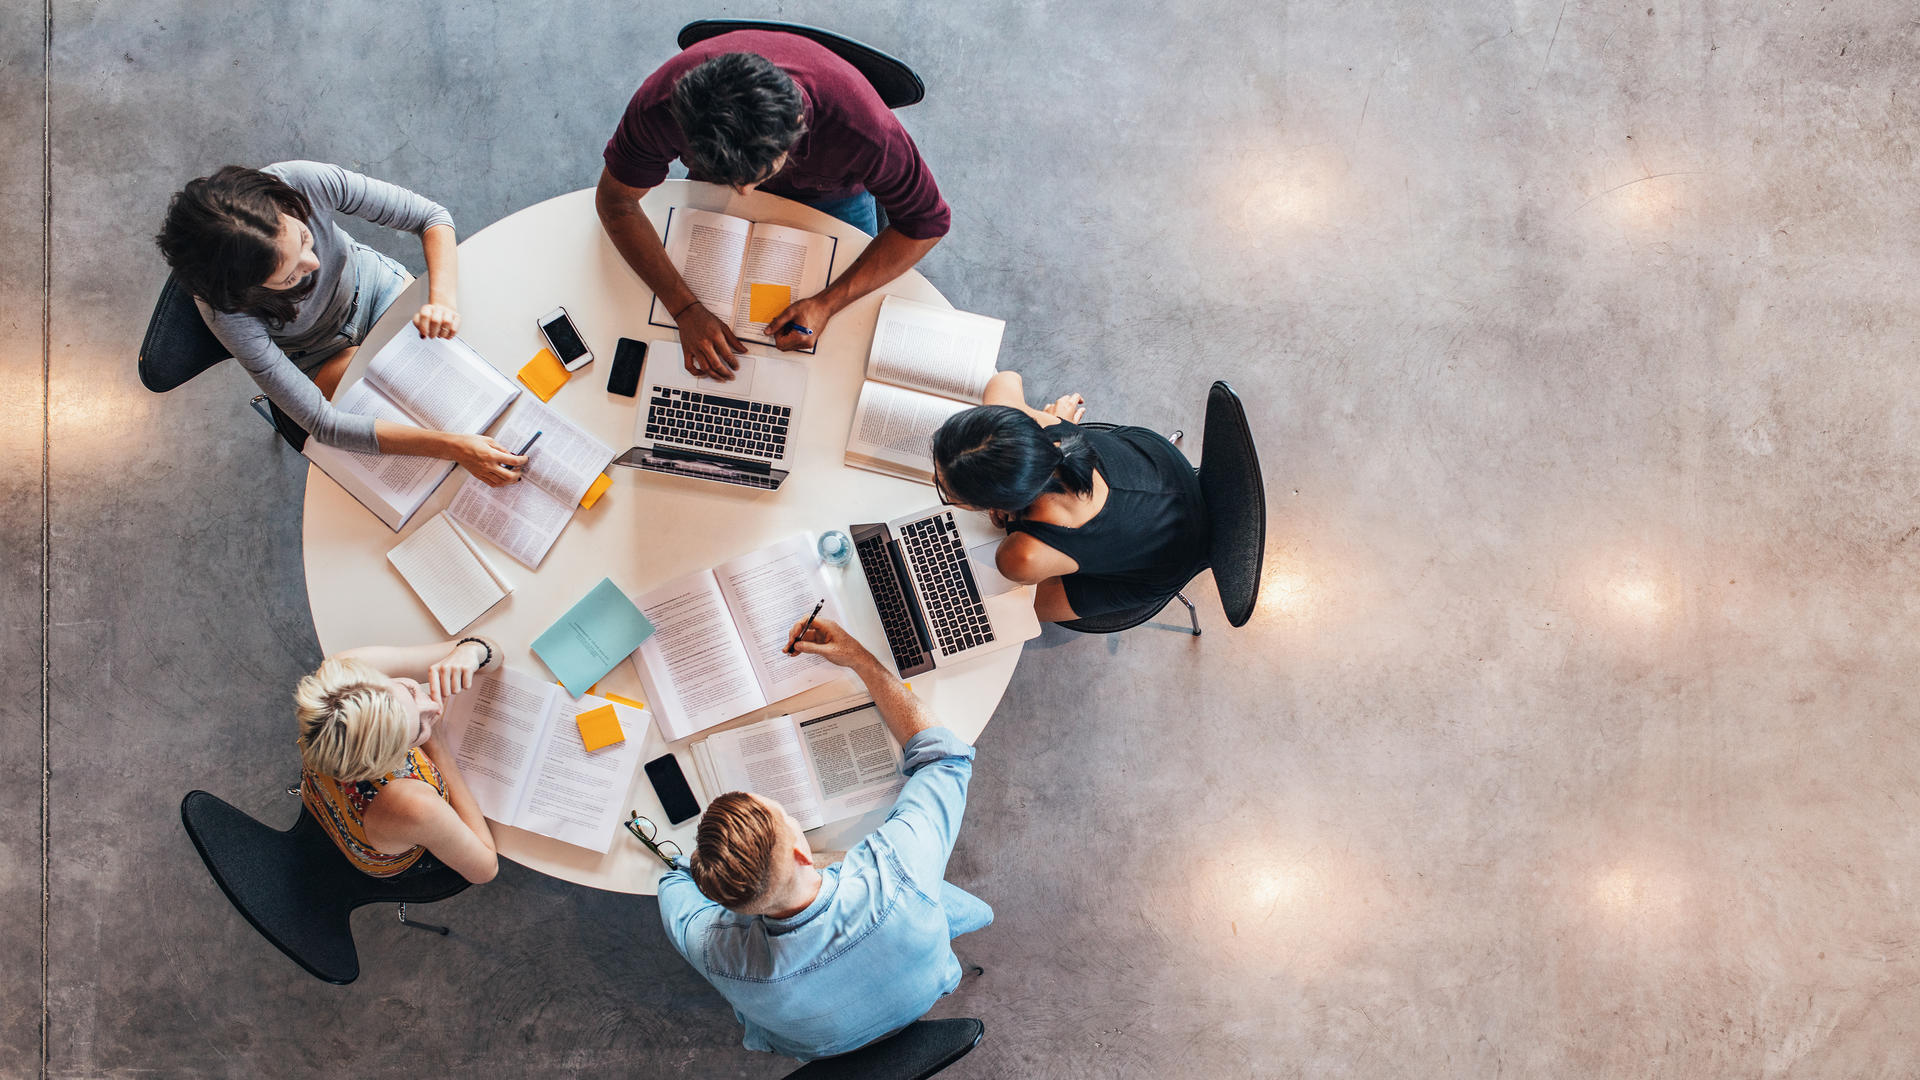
[[821, 962]]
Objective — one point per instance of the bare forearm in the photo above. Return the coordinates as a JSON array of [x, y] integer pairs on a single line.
[[441, 248], [890, 254], [905, 714], [406, 439], [407, 661], [635, 238]]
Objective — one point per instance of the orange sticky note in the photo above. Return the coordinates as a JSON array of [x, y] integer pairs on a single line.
[[625, 701], [600, 728], [598, 488], [766, 301], [544, 375]]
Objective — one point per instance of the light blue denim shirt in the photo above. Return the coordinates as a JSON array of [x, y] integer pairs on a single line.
[[872, 953]]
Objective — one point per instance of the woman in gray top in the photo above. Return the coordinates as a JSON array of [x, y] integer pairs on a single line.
[[292, 295]]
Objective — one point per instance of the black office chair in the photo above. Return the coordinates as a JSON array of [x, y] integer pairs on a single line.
[[1236, 520], [915, 1052], [178, 347], [894, 81], [297, 889]]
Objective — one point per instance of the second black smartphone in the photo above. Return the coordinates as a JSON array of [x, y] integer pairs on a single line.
[[676, 798], [628, 356]]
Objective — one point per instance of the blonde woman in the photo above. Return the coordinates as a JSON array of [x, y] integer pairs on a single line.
[[375, 777]]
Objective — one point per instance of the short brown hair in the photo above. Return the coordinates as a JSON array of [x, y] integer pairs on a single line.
[[732, 859]]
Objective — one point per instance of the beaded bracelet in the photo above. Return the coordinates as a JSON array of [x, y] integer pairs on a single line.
[[480, 643]]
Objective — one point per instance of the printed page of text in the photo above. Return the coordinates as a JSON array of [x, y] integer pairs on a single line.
[[495, 726], [575, 796], [708, 249], [442, 381], [768, 760], [855, 760], [522, 519], [768, 591], [565, 460], [695, 666], [945, 352]]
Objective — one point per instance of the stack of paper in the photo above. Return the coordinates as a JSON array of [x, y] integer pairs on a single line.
[[449, 573]]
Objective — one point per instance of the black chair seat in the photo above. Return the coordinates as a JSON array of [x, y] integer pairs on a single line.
[[178, 345], [915, 1052], [295, 887], [894, 81]]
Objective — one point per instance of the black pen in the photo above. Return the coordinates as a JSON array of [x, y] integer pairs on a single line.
[[791, 651]]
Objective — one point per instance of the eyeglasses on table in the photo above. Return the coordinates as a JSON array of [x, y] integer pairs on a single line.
[[644, 830]]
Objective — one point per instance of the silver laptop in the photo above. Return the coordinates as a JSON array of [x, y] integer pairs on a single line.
[[940, 597], [735, 432]]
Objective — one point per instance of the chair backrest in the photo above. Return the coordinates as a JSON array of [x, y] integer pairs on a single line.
[[295, 887], [178, 345], [915, 1052], [1236, 503], [894, 81]]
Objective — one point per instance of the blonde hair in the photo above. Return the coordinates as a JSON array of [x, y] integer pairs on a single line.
[[351, 726], [732, 860]]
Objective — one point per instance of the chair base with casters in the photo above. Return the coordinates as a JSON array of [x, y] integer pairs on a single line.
[[894, 81], [297, 889], [915, 1052]]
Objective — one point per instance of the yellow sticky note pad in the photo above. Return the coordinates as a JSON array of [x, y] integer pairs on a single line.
[[544, 375], [627, 701], [600, 728], [598, 488], [766, 301]]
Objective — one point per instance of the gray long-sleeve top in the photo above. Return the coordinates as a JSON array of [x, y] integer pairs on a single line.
[[262, 350]]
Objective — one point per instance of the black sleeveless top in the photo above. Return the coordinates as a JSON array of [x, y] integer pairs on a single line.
[[1147, 540]]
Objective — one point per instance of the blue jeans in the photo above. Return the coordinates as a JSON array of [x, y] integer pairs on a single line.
[[379, 282], [859, 211], [965, 911]]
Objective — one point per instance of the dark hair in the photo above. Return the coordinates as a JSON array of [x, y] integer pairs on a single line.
[[996, 457], [739, 113], [219, 237], [732, 860]]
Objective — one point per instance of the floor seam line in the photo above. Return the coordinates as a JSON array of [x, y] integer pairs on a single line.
[[46, 536]]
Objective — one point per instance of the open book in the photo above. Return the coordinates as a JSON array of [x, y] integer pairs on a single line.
[[438, 383], [720, 637], [926, 364], [449, 573], [822, 765], [743, 272], [517, 744], [526, 518]]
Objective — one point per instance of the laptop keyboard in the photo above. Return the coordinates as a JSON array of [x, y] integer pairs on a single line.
[[726, 425], [888, 595], [955, 612]]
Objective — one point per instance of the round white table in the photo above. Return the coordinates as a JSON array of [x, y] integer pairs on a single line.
[[648, 528]]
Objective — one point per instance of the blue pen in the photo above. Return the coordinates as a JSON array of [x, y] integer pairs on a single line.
[[797, 328], [522, 452]]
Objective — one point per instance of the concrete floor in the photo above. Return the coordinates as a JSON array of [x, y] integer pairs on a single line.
[[1573, 737]]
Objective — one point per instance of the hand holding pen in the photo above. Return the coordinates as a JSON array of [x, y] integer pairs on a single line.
[[526, 446], [806, 626]]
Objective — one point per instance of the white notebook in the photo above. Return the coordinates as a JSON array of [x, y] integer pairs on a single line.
[[718, 650], [525, 518], [519, 748], [436, 383], [744, 272], [822, 765], [926, 364], [449, 573]]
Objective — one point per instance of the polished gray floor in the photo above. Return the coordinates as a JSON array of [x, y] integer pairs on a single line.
[[1574, 736]]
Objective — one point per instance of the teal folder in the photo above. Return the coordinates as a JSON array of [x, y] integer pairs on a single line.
[[599, 632]]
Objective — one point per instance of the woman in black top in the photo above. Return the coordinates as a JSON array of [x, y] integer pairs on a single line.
[[1101, 521]]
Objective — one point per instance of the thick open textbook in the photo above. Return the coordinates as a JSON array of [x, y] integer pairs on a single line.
[[524, 519], [822, 765], [438, 383], [518, 747], [926, 364], [449, 572], [744, 272], [720, 636]]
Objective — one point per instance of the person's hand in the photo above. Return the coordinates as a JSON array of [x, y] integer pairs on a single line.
[[454, 671], [707, 343], [486, 459], [437, 320], [829, 639], [1069, 408], [812, 313]]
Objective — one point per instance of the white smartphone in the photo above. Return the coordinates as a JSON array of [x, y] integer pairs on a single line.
[[565, 340]]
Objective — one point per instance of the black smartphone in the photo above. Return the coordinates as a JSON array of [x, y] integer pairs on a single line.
[[624, 379], [676, 798]]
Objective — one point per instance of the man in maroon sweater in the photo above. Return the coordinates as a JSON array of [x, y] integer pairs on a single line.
[[764, 109]]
